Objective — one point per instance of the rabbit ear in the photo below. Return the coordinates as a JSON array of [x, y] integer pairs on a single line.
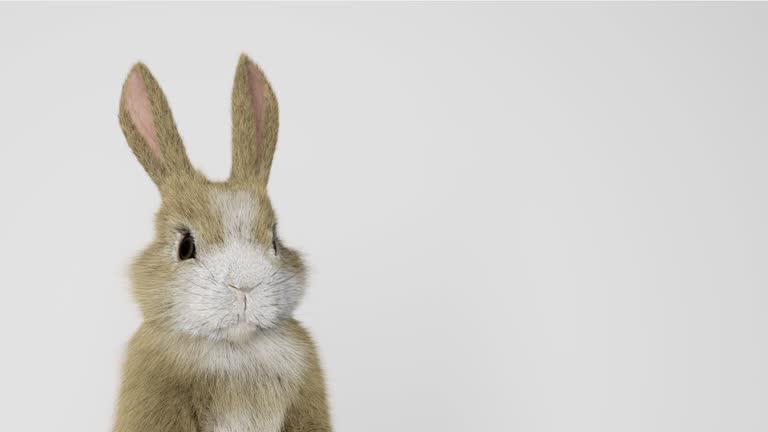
[[149, 127], [254, 124]]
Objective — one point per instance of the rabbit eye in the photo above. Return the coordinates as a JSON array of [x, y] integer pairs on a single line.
[[274, 238], [187, 247]]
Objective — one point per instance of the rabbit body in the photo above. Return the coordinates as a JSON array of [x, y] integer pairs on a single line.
[[219, 350], [271, 383]]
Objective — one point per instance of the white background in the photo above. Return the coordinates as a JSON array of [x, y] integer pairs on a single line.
[[519, 217]]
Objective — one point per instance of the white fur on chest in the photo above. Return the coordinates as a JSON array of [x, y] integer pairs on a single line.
[[238, 423], [269, 353], [262, 378]]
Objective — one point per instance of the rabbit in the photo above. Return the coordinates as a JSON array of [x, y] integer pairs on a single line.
[[218, 349]]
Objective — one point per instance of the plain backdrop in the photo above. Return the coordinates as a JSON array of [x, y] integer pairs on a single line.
[[526, 217]]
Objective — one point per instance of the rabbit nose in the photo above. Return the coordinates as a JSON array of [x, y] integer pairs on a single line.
[[245, 289]]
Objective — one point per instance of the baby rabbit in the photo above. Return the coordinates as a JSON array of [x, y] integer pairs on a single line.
[[218, 349]]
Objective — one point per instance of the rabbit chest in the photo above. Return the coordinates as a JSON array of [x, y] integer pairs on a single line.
[[254, 387], [247, 408]]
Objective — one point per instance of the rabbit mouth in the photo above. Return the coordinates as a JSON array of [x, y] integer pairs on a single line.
[[247, 313], [239, 326]]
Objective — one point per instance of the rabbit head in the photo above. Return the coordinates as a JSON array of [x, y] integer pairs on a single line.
[[216, 267]]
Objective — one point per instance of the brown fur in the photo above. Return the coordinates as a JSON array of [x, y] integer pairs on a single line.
[[174, 381]]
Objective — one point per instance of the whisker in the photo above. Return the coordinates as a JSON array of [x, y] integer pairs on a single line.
[[285, 279]]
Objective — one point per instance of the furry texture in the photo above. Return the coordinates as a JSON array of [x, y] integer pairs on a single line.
[[218, 349]]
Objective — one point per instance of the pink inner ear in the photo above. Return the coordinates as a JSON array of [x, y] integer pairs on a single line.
[[256, 88], [140, 111]]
